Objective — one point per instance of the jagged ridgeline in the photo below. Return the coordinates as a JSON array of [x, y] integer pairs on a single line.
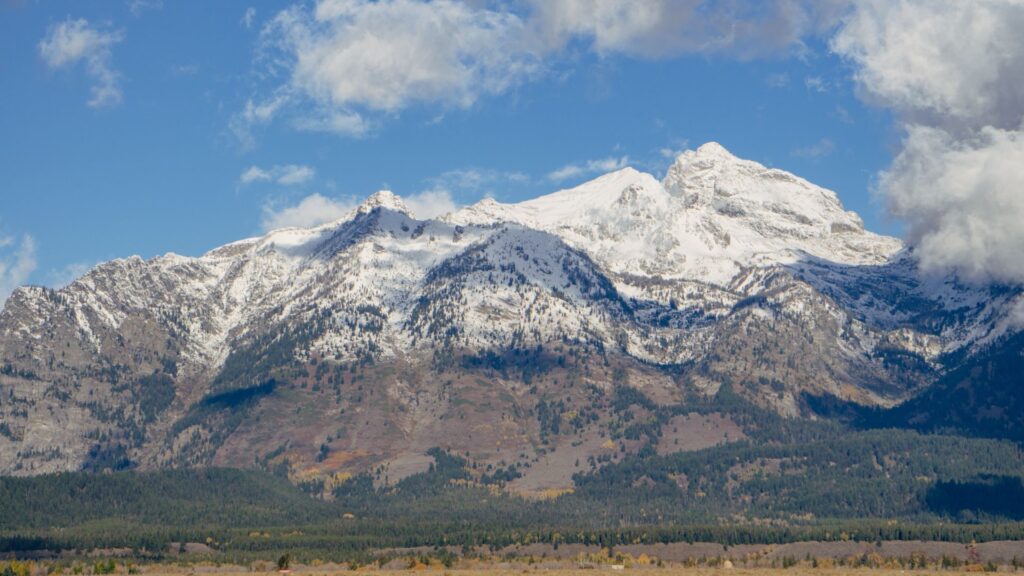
[[601, 336]]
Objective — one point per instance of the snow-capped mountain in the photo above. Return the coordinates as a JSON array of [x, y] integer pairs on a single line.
[[712, 216], [358, 344]]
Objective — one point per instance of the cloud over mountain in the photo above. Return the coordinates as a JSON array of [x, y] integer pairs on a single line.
[[287, 175], [955, 77]]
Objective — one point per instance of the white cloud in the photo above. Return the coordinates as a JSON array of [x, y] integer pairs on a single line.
[[449, 191], [249, 17], [843, 115], [660, 28], [1017, 314], [386, 55], [674, 149], [262, 112], [293, 174], [342, 65], [185, 69], [315, 209], [963, 200], [600, 166], [819, 149], [312, 210], [958, 65], [254, 174], [74, 41], [431, 204], [16, 266], [333, 122], [287, 175], [252, 115], [61, 277], [477, 181], [345, 60], [816, 84], [779, 80], [137, 7], [955, 77]]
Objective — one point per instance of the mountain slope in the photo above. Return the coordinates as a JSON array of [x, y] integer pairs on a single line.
[[981, 395]]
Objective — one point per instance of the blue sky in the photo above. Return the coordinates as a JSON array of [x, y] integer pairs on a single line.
[[126, 127]]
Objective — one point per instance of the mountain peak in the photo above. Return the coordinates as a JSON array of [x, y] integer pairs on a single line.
[[711, 175], [712, 214], [384, 199], [713, 149]]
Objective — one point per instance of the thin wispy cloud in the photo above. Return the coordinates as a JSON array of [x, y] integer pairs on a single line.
[[477, 182], [843, 115], [248, 17], [777, 80], [313, 210], [17, 263], [816, 84], [441, 194], [73, 41], [316, 209], [431, 204], [819, 149], [588, 168], [61, 277], [333, 122], [293, 174], [676, 147], [138, 7], [287, 175], [450, 190], [185, 69], [253, 115]]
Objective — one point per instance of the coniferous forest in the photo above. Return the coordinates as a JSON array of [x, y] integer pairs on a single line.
[[833, 484]]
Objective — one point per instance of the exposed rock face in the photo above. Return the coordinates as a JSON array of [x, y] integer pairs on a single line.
[[359, 344]]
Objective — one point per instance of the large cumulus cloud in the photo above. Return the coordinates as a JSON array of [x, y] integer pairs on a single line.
[[346, 65], [963, 201], [954, 74]]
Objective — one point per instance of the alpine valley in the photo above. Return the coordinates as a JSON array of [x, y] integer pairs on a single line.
[[547, 343]]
